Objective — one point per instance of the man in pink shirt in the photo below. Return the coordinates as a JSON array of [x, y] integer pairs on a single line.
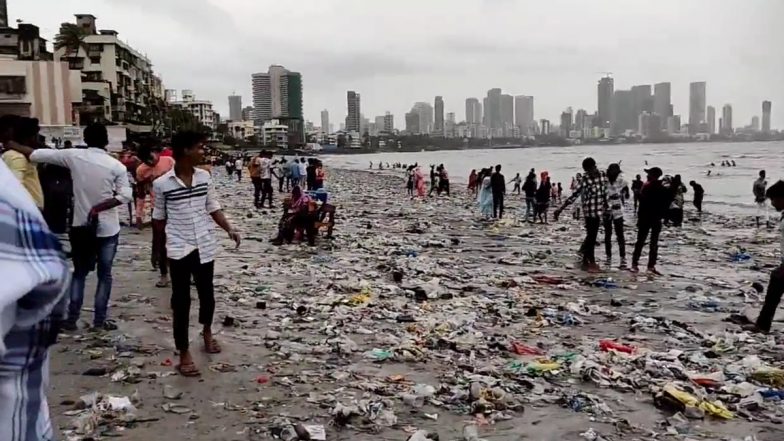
[[153, 166]]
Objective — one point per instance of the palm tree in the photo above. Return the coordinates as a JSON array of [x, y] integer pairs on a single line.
[[70, 38]]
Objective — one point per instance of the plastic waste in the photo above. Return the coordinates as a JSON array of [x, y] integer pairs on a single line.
[[770, 376], [611, 345]]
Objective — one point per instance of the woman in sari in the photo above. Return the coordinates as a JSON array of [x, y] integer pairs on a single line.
[[472, 182], [295, 215], [486, 198], [419, 181]]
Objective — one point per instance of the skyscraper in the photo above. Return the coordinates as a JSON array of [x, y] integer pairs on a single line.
[[524, 114], [247, 113], [711, 120], [389, 123], [622, 115], [566, 122], [642, 101], [473, 111], [438, 127], [755, 123], [604, 91], [277, 94], [353, 119], [766, 108], [726, 117], [412, 122], [507, 112], [235, 107], [325, 121], [425, 113], [662, 100], [697, 100], [493, 109]]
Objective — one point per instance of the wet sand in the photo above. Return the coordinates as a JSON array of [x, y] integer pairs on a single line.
[[485, 282]]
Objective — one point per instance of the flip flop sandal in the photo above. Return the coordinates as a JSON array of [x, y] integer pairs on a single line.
[[188, 370], [212, 347]]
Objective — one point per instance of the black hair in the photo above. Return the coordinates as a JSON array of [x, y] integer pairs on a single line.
[[144, 152], [8, 122], [775, 191], [26, 128], [588, 164], [95, 135], [184, 140]]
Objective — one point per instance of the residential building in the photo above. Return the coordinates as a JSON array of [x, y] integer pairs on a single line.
[[274, 134], [642, 101], [493, 109], [507, 113], [605, 90], [23, 43], [354, 108], [766, 108], [622, 116], [524, 114], [277, 94], [438, 126], [545, 126], [325, 121], [412, 123], [566, 122], [118, 83], [673, 125], [581, 120], [201, 109], [473, 111], [697, 100], [378, 124], [389, 123], [649, 125], [755, 123], [726, 118], [425, 113], [247, 113], [170, 95], [450, 125], [711, 120], [662, 101], [244, 129], [235, 108]]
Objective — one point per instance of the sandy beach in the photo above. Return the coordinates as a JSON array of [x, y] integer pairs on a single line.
[[492, 325]]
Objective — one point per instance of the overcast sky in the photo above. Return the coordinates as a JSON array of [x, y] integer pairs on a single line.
[[397, 52]]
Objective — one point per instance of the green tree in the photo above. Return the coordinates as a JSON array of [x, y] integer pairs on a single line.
[[71, 39]]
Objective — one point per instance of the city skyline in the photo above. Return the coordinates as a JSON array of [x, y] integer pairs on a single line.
[[448, 63]]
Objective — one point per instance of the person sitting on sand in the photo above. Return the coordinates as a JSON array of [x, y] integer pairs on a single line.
[[296, 214]]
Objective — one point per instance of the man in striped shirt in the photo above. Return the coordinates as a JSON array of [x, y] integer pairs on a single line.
[[184, 203]]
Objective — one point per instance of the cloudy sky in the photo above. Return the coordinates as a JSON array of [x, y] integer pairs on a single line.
[[397, 52]]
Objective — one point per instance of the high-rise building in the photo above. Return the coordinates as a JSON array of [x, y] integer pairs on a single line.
[[581, 119], [662, 101], [438, 127], [726, 117], [697, 100], [605, 90], [389, 123], [493, 109], [235, 107], [247, 113], [507, 111], [622, 115], [545, 126], [674, 124], [755, 123], [473, 111], [325, 121], [524, 114], [642, 101], [566, 122], [766, 108], [277, 94], [412, 123], [425, 113], [649, 125], [711, 120], [353, 119]]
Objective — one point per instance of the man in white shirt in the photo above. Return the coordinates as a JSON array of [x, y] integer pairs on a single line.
[[100, 185], [265, 172], [238, 164], [303, 172], [776, 285], [184, 204]]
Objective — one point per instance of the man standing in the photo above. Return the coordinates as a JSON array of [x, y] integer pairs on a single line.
[[294, 172], [433, 181], [529, 188], [592, 188], [759, 198], [443, 180], [24, 131], [33, 298], [238, 166], [498, 185], [636, 188], [184, 203], [265, 173], [100, 185], [616, 188], [154, 166], [303, 172], [654, 203], [254, 170], [776, 284], [699, 193]]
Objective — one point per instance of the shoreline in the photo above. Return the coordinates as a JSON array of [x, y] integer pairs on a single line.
[[336, 330]]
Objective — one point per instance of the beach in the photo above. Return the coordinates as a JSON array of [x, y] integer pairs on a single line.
[[490, 324]]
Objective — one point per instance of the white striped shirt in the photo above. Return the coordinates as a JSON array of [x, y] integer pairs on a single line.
[[186, 211]]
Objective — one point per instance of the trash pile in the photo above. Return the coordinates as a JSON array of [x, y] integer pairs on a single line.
[[418, 321]]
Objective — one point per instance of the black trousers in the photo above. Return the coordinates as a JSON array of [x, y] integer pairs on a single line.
[[159, 251], [266, 192], [698, 203], [516, 188], [609, 224], [498, 205], [644, 227], [589, 244], [256, 189], [181, 272], [443, 186], [772, 299], [676, 216], [281, 181]]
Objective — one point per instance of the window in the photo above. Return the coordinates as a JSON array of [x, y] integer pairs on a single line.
[[95, 60]]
